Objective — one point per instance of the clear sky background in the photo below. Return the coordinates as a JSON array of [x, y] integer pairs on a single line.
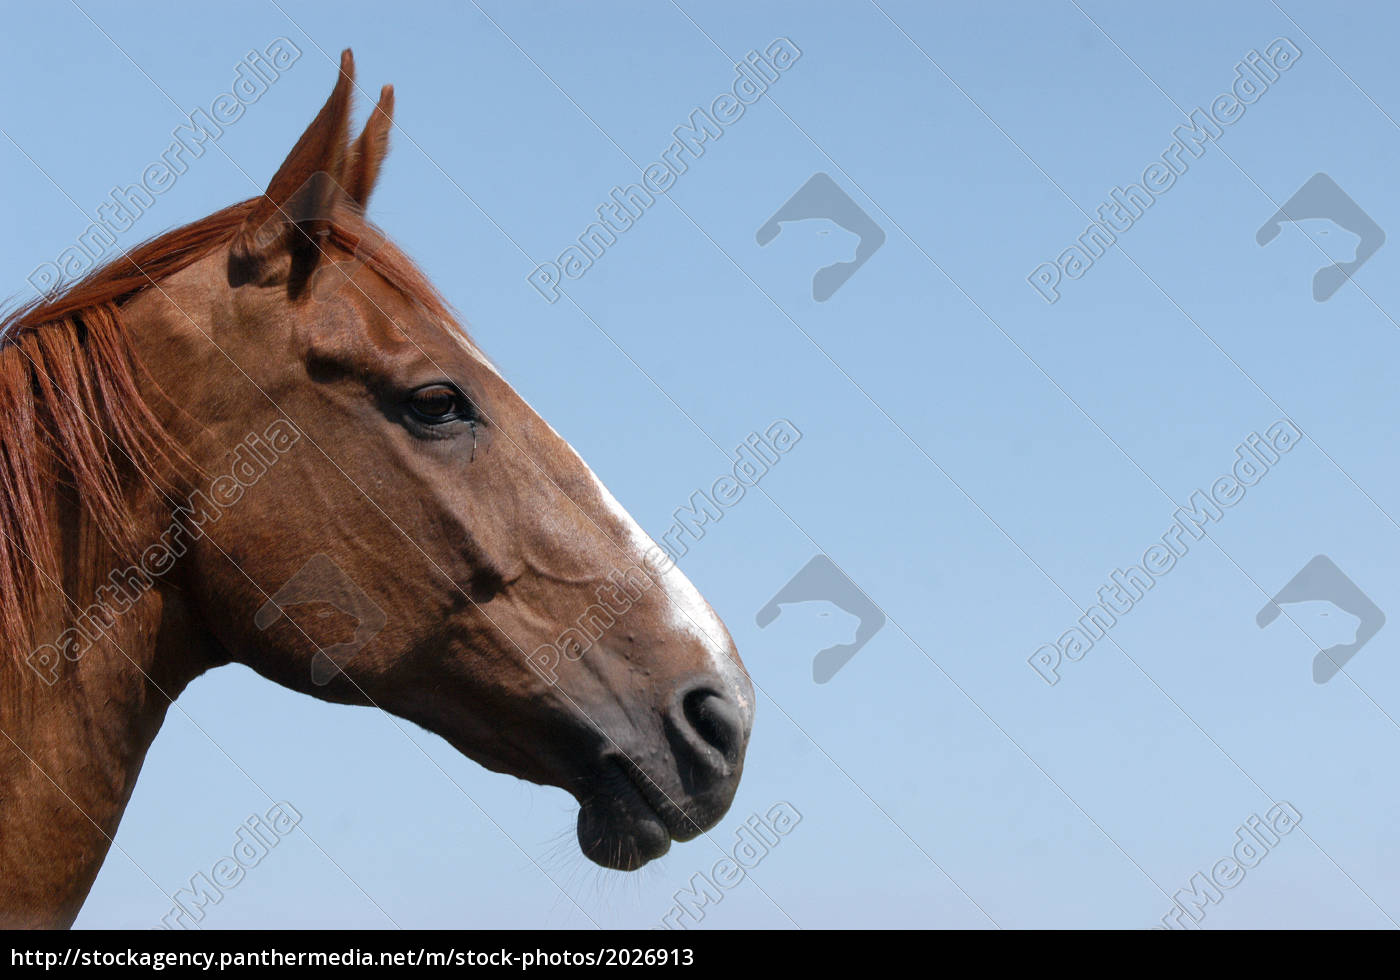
[[978, 461]]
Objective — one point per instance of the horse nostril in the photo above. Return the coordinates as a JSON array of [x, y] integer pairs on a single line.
[[717, 721]]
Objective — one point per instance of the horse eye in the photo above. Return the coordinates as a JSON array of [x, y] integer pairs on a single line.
[[436, 404]]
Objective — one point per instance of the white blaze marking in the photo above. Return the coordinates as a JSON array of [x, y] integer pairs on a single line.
[[465, 342], [690, 613]]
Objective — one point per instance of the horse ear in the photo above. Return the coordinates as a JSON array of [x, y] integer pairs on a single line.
[[369, 151], [304, 190]]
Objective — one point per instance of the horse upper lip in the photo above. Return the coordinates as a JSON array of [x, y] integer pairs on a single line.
[[677, 823]]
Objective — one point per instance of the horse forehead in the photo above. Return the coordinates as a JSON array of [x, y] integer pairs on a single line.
[[409, 331], [443, 329], [460, 338]]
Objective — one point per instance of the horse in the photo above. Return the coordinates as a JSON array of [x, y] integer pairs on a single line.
[[264, 438]]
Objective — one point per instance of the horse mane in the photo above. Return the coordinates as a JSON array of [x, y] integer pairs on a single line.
[[72, 413]]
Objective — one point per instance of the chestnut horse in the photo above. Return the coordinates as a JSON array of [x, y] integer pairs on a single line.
[[270, 412]]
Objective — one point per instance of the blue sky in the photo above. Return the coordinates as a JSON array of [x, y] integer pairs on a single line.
[[979, 461]]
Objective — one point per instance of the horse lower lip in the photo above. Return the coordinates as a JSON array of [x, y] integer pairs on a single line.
[[618, 827]]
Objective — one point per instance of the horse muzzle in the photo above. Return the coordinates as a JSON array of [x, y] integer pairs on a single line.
[[639, 802]]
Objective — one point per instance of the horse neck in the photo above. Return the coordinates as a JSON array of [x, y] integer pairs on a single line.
[[74, 743]]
